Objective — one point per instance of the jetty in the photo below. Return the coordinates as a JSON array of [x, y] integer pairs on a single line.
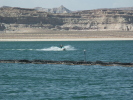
[[68, 62]]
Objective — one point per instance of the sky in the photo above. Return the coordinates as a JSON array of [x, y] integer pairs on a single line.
[[70, 4]]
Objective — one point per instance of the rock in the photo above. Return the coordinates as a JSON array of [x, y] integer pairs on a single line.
[[2, 27], [67, 62]]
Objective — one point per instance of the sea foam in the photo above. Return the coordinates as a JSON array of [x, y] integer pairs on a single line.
[[56, 48]]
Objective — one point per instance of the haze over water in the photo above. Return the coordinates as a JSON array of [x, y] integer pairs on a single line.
[[66, 82]]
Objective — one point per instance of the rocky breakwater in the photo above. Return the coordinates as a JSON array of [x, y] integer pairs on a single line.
[[68, 62]]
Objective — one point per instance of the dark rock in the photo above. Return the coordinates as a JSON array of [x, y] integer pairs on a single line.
[[23, 61], [67, 62]]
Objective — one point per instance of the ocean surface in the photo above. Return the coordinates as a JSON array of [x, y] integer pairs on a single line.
[[66, 82]]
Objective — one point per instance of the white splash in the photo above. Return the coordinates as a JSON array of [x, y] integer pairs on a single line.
[[55, 48], [69, 47], [52, 48]]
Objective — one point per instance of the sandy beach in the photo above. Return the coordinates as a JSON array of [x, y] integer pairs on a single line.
[[67, 36]]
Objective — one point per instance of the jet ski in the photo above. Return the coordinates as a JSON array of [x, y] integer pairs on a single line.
[[62, 47]]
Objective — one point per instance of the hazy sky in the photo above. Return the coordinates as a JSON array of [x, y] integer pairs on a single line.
[[70, 4]]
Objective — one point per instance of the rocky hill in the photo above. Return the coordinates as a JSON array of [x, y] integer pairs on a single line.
[[60, 9], [114, 20], [14, 18]]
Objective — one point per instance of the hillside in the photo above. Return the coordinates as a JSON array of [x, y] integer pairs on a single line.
[[14, 19], [121, 8]]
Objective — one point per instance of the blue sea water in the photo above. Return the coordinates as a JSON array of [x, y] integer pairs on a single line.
[[66, 82]]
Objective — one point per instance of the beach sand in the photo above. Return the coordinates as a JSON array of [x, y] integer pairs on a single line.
[[49, 35]]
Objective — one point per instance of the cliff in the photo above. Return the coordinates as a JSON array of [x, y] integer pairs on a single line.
[[121, 8], [103, 20], [13, 18], [26, 16]]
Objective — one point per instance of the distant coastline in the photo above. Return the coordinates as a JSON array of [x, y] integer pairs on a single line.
[[22, 24], [14, 19]]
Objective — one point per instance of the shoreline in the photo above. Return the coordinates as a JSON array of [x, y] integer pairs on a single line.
[[67, 36], [72, 39]]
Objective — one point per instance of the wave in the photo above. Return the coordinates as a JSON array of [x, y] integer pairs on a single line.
[[24, 49], [18, 49], [52, 48]]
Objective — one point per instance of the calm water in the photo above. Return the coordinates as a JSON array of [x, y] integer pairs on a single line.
[[66, 82]]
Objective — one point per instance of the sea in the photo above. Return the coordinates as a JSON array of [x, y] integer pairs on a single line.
[[66, 82]]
